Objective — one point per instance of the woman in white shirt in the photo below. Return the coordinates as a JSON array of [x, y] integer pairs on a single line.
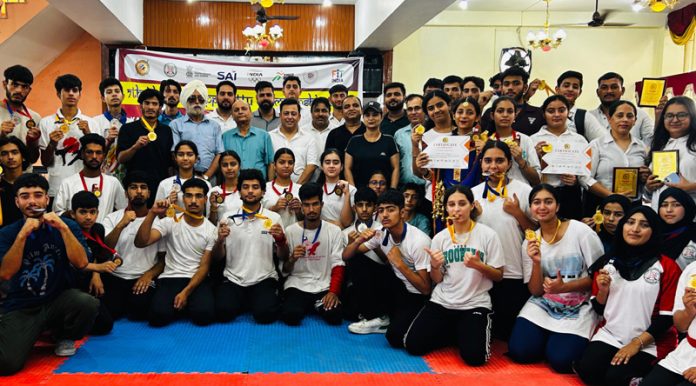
[[338, 193], [282, 195], [225, 197]]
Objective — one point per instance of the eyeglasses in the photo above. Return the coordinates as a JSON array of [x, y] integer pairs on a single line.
[[194, 99], [378, 183], [680, 116]]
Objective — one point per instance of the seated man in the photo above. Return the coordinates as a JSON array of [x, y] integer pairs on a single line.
[[404, 246], [37, 253], [246, 240], [315, 267], [188, 240], [129, 289]]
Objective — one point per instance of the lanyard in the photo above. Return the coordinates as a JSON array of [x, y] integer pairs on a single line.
[[326, 191], [285, 190], [500, 191], [403, 237], [23, 111], [177, 181], [515, 136], [316, 235], [171, 212], [99, 241], [224, 191], [101, 184], [121, 119]]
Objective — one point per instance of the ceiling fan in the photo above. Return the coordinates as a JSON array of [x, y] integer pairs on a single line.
[[598, 20], [262, 17]]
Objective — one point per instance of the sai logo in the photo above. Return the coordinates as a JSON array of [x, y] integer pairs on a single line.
[[170, 70], [142, 67], [337, 76]]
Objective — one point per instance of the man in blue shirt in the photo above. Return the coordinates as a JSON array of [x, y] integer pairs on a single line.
[[171, 90], [416, 116], [254, 145], [39, 256], [196, 127]]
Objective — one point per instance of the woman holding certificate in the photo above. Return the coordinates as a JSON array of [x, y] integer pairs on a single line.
[[556, 136], [674, 150]]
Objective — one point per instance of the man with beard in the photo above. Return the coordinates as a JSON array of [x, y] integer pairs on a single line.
[[253, 144], [416, 116], [302, 143], [529, 118], [128, 290], [265, 117], [569, 84], [38, 254], [199, 129], [187, 239], [321, 119], [292, 89], [337, 93], [395, 119], [352, 113], [247, 239], [60, 133], [16, 118], [106, 188], [452, 86], [610, 89], [13, 160], [225, 94], [110, 122], [146, 144], [171, 90]]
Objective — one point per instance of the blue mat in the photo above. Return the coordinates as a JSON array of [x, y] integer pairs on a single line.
[[239, 347]]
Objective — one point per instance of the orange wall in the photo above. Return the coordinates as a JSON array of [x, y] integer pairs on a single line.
[[83, 59], [18, 15]]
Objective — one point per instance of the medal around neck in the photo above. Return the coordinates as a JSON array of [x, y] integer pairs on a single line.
[[152, 136]]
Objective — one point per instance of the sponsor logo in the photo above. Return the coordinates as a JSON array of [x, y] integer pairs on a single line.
[[142, 67], [337, 76], [652, 276], [310, 77], [531, 120], [278, 76], [191, 73], [566, 146], [170, 70], [222, 75], [255, 77]]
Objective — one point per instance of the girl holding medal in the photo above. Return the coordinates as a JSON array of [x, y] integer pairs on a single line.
[[465, 260], [185, 156], [505, 207], [338, 193], [282, 195], [225, 197]]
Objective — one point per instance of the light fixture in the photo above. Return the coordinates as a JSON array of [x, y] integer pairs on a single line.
[[203, 20], [257, 37], [542, 39], [463, 4], [326, 3], [267, 3], [654, 5]]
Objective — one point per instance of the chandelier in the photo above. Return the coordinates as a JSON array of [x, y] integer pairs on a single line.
[[257, 37], [267, 3], [654, 5], [542, 39]]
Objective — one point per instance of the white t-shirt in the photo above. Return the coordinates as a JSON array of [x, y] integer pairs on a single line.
[[66, 161], [333, 203], [225, 124], [687, 255], [630, 304], [165, 186], [528, 154], [567, 313], [510, 235], [684, 356], [112, 195], [103, 126], [464, 288], [232, 200], [20, 131], [273, 194], [369, 254], [302, 145], [250, 250], [184, 245], [567, 137], [312, 273], [412, 247], [136, 261]]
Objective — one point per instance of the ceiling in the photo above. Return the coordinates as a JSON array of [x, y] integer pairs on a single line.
[[555, 5]]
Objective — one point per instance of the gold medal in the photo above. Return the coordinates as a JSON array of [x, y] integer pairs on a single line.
[[547, 148], [267, 223], [338, 191], [64, 128], [484, 136], [288, 196], [152, 136], [598, 218], [475, 137], [692, 281], [97, 193], [171, 212], [219, 199], [419, 129], [457, 174], [117, 260], [509, 141], [1, 169], [530, 235]]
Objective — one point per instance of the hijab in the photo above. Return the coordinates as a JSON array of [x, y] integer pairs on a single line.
[[678, 235]]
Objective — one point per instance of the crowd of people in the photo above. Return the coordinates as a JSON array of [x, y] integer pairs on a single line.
[[332, 209]]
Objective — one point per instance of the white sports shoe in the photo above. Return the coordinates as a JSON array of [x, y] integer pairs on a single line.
[[65, 348], [373, 326]]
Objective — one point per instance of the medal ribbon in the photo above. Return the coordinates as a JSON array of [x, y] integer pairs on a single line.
[[84, 184], [500, 191], [99, 241], [65, 121], [327, 190], [121, 119], [288, 189], [316, 235], [184, 211], [386, 236], [23, 111], [149, 128]]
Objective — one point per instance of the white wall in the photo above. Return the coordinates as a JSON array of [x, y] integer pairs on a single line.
[[128, 12], [370, 14]]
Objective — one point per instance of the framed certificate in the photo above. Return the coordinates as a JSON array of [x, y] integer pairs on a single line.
[[664, 163], [652, 91], [626, 182]]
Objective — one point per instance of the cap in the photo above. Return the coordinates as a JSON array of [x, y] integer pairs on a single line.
[[374, 106]]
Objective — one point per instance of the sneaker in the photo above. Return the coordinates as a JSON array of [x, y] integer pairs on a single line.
[[65, 348], [372, 326]]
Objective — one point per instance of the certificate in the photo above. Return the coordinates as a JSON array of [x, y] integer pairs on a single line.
[[568, 158], [651, 92], [665, 163], [448, 152], [626, 182]]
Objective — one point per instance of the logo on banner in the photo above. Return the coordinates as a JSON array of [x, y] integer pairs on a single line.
[[222, 75], [310, 77], [278, 76], [189, 71], [337, 76], [255, 77], [142, 67], [170, 70]]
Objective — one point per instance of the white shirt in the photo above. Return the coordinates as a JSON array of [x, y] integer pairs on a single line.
[[572, 255], [20, 131], [684, 356], [249, 247], [369, 254], [112, 197], [464, 288], [334, 123], [687, 166], [103, 125], [312, 272], [510, 235], [225, 124], [556, 141], [184, 245], [302, 145], [66, 161], [593, 129], [136, 261], [528, 154], [412, 247], [165, 186], [643, 129], [333, 203], [607, 155], [273, 194], [232, 200], [319, 136]]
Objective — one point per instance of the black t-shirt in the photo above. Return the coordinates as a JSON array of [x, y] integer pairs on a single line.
[[528, 121], [338, 138], [371, 156], [390, 127], [155, 158], [10, 211]]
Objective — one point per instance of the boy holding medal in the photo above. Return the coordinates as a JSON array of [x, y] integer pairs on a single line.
[[16, 119]]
